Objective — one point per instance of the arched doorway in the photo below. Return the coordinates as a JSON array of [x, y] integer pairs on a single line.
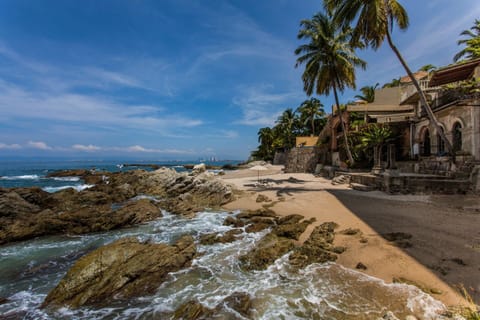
[[457, 136], [426, 143]]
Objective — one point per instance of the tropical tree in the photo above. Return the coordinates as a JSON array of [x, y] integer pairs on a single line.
[[392, 84], [287, 126], [329, 60], [375, 136], [374, 21], [311, 110], [266, 139], [472, 42], [428, 67], [368, 93]]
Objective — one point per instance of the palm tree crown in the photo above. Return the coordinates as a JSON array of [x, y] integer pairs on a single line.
[[472, 42], [368, 93], [329, 60], [311, 110], [374, 20]]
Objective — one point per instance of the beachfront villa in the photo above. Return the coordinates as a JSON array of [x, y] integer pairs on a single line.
[[454, 96]]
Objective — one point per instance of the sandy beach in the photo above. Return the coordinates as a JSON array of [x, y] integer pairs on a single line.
[[431, 241]]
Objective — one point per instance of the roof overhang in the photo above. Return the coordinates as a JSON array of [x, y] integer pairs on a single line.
[[454, 73]]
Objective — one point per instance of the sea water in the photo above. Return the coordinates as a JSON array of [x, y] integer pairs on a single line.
[[30, 269]]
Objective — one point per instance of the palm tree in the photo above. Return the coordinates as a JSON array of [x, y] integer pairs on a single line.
[[392, 84], [311, 110], [368, 93], [374, 21], [266, 138], [428, 67], [375, 136], [329, 60], [286, 123], [472, 49]]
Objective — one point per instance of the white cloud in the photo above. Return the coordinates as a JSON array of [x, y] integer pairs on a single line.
[[39, 145], [90, 147], [262, 108], [13, 146]]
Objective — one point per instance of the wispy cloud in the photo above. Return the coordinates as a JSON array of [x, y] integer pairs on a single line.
[[261, 108], [88, 148], [39, 145], [13, 146]]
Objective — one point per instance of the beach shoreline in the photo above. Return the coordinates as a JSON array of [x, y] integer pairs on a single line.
[[426, 247]]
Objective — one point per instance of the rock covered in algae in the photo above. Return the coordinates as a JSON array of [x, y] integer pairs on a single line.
[[123, 269]]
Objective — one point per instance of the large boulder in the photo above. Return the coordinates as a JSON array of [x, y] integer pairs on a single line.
[[123, 269]]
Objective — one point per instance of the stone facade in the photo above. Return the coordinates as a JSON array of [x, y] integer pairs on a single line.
[[303, 159]]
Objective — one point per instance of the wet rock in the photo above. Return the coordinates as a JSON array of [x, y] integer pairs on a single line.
[[257, 227], [268, 249], [240, 302], [212, 238], [192, 310], [231, 221], [30, 212], [317, 248], [339, 250], [3, 300], [123, 269]]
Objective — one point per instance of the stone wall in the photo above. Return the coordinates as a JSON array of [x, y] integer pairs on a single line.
[[280, 158], [302, 159]]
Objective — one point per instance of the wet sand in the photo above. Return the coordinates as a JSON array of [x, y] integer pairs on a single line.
[[434, 240]]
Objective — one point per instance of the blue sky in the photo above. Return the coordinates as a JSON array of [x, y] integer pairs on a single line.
[[174, 79]]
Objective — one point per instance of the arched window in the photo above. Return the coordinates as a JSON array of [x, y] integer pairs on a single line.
[[457, 136], [440, 144], [426, 143]]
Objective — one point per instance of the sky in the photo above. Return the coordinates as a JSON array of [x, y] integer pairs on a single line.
[[175, 79]]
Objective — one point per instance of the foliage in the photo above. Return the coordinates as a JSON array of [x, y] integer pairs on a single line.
[[329, 60], [288, 126], [373, 22], [428, 67], [368, 93], [471, 42], [371, 136], [392, 84], [310, 111]]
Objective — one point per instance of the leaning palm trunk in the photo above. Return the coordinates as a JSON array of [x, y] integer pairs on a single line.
[[423, 99], [342, 123]]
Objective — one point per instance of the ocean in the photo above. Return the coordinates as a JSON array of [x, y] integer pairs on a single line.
[[30, 269]]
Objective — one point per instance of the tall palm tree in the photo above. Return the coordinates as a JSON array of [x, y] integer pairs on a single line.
[[311, 110], [374, 21], [266, 139], [368, 93], [329, 60], [472, 49]]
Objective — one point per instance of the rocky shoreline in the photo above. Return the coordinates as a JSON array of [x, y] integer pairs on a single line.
[[116, 200]]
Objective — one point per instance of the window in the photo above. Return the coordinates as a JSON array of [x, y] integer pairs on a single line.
[[457, 136], [440, 144], [426, 143]]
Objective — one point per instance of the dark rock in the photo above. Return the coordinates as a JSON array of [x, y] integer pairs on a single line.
[[361, 266], [350, 232], [268, 249], [257, 227], [12, 204], [396, 236], [123, 269], [142, 210], [339, 250], [3, 300], [257, 213]]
